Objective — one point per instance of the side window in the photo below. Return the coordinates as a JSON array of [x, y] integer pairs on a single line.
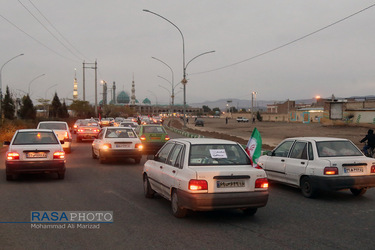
[[180, 159], [283, 149], [299, 151], [174, 155], [164, 152], [100, 135], [311, 153]]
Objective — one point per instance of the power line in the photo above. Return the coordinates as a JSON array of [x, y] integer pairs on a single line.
[[62, 36], [286, 44], [49, 31], [36, 40]]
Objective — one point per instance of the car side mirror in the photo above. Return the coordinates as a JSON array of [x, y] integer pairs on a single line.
[[151, 157], [270, 153], [6, 143], [62, 142]]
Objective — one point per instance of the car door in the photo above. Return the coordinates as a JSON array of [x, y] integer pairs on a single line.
[[275, 162], [98, 142], [297, 162], [156, 167], [171, 169]]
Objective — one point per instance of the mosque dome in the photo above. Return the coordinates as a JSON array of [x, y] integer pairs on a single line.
[[123, 97], [146, 101]]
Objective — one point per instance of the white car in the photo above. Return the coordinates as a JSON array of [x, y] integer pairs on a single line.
[[34, 151], [205, 174], [319, 163], [117, 143], [62, 131]]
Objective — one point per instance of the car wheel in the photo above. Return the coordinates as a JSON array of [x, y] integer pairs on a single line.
[[101, 158], [137, 160], [94, 156], [61, 175], [177, 211], [358, 191], [148, 191], [250, 211], [308, 190]]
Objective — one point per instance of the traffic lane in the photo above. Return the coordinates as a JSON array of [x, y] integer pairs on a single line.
[[289, 220]]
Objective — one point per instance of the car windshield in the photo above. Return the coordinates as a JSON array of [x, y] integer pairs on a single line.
[[57, 126], [337, 148], [120, 133], [89, 123], [34, 137], [154, 129], [217, 154]]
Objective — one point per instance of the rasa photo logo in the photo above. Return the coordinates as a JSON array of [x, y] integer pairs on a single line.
[[70, 219]]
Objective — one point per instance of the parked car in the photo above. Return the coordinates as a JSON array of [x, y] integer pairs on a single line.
[[153, 137], [62, 131], [319, 163], [242, 119], [34, 151], [117, 143], [87, 130], [205, 174], [199, 122]]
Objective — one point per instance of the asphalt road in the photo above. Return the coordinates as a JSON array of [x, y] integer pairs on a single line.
[[335, 220]]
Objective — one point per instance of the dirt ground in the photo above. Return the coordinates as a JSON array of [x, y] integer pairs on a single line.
[[272, 132]]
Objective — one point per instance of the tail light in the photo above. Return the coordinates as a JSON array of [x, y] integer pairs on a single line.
[[106, 146], [75, 126], [139, 146], [59, 155], [373, 169], [261, 183], [13, 156], [167, 138], [143, 137], [66, 135], [196, 185], [331, 171]]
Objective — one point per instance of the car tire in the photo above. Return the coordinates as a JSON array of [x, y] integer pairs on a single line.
[[61, 175], [250, 211], [358, 191], [148, 191], [101, 159], [137, 160], [94, 156], [177, 211], [307, 188]]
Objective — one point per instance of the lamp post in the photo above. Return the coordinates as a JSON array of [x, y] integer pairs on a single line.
[[253, 96], [1, 83], [28, 91], [184, 66], [170, 82]]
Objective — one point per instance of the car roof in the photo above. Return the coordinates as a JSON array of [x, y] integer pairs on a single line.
[[52, 122], [35, 130], [204, 141], [318, 139]]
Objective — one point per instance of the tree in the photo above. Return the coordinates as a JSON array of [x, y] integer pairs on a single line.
[[64, 110], [27, 110], [259, 117], [82, 109], [55, 110], [8, 106], [206, 109]]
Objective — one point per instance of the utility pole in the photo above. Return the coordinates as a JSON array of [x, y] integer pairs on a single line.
[[96, 83]]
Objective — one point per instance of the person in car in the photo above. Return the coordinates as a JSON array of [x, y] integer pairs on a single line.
[[370, 138]]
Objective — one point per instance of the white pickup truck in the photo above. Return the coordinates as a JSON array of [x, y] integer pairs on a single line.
[[242, 119]]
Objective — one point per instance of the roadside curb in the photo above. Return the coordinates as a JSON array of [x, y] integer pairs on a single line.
[[183, 132]]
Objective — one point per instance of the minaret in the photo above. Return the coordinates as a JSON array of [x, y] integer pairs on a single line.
[[132, 98], [75, 86], [104, 94], [114, 92]]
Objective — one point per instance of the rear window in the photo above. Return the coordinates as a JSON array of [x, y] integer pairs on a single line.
[[57, 126], [154, 129], [120, 133], [337, 148], [217, 154], [24, 138]]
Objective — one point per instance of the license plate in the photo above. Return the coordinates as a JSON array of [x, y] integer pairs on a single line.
[[155, 138], [230, 184], [36, 155], [123, 145], [349, 170]]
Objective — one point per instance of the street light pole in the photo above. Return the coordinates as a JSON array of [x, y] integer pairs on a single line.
[[28, 91], [183, 81], [172, 82], [1, 83]]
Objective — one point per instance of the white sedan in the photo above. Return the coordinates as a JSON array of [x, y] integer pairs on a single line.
[[205, 174], [117, 143], [319, 163]]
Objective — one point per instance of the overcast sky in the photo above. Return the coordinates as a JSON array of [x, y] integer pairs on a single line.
[[122, 38]]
